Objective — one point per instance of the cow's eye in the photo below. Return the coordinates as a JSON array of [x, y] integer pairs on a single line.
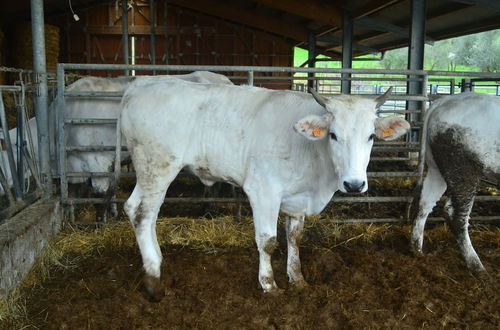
[[333, 136], [371, 137]]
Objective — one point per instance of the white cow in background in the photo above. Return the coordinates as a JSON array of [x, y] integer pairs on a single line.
[[463, 144], [289, 152], [102, 135]]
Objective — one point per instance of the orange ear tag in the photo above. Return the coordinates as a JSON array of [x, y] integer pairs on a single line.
[[388, 132], [318, 132]]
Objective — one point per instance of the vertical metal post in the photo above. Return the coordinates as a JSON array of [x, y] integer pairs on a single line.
[[423, 133], [61, 130], [466, 85], [311, 57], [10, 155], [347, 31], [165, 21], [416, 57], [125, 34], [20, 140], [40, 98], [250, 78], [152, 19]]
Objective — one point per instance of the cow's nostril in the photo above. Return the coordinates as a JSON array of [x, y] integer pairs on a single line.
[[354, 186]]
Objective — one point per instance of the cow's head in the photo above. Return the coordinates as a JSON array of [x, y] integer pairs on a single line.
[[350, 125]]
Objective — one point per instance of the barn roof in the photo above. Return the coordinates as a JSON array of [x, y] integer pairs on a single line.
[[379, 25]]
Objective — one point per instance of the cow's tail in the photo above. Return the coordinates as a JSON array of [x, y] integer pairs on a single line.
[[118, 154]]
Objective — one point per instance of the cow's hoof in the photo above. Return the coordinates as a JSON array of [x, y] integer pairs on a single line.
[[274, 292], [476, 267], [298, 285], [154, 288]]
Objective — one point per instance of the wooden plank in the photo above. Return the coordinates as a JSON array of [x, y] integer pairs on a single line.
[[245, 17]]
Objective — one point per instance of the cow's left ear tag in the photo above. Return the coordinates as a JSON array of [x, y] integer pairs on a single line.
[[318, 132], [388, 132]]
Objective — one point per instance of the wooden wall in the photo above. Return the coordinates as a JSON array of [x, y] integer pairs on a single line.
[[190, 38]]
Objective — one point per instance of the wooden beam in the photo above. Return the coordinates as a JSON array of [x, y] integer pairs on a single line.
[[335, 41], [254, 19], [312, 9], [430, 16], [379, 25], [372, 7], [495, 5]]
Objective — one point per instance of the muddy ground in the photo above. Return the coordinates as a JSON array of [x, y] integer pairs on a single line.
[[357, 284]]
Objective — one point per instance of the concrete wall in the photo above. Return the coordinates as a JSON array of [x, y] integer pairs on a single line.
[[22, 238]]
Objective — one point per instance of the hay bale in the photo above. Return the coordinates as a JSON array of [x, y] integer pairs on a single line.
[[23, 48]]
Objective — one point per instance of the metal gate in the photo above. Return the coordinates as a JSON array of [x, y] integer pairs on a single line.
[[327, 82]]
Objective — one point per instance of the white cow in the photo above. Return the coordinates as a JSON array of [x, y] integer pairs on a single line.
[[102, 135], [4, 162], [463, 144], [287, 151]]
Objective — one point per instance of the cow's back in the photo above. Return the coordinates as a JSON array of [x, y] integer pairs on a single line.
[[471, 123], [227, 133]]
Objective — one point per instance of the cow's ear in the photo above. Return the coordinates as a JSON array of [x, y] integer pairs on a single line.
[[313, 127], [390, 128]]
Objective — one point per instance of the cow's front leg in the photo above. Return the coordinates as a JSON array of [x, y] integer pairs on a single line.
[[294, 230], [265, 207]]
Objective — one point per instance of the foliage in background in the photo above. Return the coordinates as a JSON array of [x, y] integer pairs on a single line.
[[475, 52]]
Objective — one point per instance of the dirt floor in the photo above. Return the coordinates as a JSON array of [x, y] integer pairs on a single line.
[[360, 276], [364, 281]]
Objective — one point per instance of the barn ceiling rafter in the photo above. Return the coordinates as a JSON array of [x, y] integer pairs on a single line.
[[379, 25]]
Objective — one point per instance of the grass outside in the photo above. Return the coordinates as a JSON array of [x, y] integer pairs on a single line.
[[300, 57]]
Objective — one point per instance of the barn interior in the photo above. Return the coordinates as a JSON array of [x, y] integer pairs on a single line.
[[251, 42]]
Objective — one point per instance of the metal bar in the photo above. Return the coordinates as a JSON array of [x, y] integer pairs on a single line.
[[20, 143], [76, 121], [423, 138], [416, 56], [145, 67], [389, 159], [391, 174], [339, 199], [124, 4], [40, 103], [8, 88], [98, 174], [92, 148], [61, 103], [94, 94], [250, 78], [394, 149], [402, 221], [10, 155], [347, 32], [311, 57]]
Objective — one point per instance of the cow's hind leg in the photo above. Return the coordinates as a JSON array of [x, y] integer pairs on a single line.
[[265, 207], [458, 208], [142, 209], [294, 230], [431, 190]]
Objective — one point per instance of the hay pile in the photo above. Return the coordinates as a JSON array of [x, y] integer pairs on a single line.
[[74, 245], [23, 47]]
